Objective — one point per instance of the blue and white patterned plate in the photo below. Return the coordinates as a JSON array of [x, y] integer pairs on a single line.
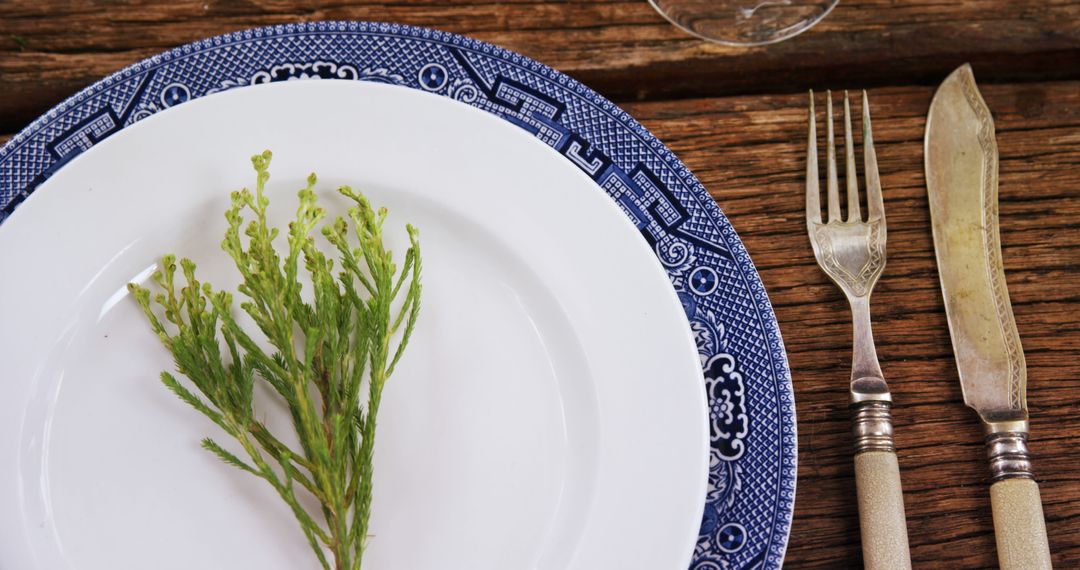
[[753, 454]]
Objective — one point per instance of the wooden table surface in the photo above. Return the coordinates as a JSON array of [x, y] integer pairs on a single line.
[[736, 117]]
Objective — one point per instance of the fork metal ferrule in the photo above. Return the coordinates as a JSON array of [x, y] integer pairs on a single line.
[[872, 426]]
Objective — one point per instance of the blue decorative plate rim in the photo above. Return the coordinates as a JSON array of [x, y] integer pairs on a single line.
[[751, 491]]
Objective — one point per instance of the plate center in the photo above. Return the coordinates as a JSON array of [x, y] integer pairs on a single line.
[[474, 428]]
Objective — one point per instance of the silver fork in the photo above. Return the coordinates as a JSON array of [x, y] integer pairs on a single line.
[[852, 253]]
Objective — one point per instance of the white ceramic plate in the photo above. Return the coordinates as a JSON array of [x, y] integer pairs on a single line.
[[549, 412]]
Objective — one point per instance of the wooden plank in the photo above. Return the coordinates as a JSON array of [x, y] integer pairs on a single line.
[[622, 48], [750, 151]]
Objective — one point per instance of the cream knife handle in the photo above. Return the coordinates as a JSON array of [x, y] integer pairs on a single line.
[[1018, 516], [877, 483]]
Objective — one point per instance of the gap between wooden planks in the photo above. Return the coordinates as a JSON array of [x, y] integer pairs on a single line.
[[622, 48]]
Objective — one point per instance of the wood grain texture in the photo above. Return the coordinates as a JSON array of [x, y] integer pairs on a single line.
[[750, 153], [622, 48]]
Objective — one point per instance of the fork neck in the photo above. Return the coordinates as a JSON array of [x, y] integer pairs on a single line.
[[867, 381]]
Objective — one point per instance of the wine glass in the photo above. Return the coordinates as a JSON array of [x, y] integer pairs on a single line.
[[744, 22]]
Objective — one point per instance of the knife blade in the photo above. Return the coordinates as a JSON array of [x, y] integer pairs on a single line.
[[962, 184]]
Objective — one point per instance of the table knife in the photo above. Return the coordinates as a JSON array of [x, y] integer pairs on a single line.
[[962, 183]]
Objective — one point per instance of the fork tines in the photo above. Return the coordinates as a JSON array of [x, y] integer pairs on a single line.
[[870, 169]]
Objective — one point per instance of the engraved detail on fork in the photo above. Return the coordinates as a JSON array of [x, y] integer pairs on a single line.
[[872, 426], [851, 251], [1009, 456], [861, 282], [992, 239]]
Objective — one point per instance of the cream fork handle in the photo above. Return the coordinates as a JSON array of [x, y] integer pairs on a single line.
[[881, 511], [877, 484]]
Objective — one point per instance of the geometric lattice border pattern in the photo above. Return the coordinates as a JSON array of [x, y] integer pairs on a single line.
[[753, 455]]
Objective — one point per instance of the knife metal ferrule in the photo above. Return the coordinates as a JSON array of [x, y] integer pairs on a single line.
[[1009, 456], [872, 426]]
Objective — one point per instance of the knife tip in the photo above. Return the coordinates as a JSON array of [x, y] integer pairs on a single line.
[[964, 69]]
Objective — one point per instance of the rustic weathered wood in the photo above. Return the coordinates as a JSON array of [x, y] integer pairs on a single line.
[[622, 48], [750, 153]]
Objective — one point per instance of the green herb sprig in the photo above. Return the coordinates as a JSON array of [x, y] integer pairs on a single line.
[[325, 353]]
